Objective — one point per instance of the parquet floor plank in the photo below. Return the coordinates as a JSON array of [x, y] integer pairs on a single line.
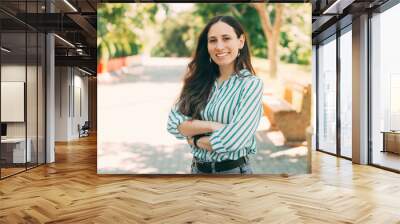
[[70, 191]]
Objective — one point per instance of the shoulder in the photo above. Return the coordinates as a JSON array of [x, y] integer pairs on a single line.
[[249, 79], [244, 73]]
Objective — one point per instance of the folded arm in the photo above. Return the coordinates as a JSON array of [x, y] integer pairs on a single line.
[[196, 127], [182, 126]]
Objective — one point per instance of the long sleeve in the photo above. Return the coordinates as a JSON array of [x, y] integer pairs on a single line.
[[244, 123], [175, 118]]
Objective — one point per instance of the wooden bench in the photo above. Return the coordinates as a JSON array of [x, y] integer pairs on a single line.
[[291, 117]]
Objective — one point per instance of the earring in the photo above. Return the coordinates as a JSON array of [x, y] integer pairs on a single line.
[[210, 59], [238, 53]]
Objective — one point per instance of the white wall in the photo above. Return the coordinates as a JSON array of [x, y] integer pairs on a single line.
[[13, 73], [71, 94], [62, 80], [17, 73]]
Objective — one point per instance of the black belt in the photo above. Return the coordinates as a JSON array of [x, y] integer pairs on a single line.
[[206, 167]]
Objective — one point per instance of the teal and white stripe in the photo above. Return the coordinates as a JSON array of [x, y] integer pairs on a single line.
[[236, 103]]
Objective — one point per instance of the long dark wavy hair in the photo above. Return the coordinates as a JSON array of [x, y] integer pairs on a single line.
[[202, 73]]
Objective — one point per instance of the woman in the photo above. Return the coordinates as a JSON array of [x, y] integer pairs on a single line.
[[219, 108]]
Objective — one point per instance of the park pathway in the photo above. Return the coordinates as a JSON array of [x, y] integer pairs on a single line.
[[132, 117]]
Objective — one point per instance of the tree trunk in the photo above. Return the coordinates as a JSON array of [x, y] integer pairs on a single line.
[[273, 57], [271, 32]]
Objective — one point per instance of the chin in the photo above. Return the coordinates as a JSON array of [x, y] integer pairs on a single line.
[[224, 62]]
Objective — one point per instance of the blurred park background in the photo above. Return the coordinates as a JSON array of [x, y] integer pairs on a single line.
[[143, 52]]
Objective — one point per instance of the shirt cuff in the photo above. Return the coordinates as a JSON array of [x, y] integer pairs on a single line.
[[216, 142], [180, 121]]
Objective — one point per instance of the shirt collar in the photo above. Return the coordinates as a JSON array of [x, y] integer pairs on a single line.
[[243, 73]]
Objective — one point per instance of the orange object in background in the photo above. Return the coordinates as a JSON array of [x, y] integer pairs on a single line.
[[116, 64], [102, 66], [111, 65]]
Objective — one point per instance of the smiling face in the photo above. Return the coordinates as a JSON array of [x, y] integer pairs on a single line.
[[223, 44]]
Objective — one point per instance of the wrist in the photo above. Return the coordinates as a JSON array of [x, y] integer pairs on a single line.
[[216, 126], [195, 140], [213, 126]]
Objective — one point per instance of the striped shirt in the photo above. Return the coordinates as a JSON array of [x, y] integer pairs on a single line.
[[236, 102]]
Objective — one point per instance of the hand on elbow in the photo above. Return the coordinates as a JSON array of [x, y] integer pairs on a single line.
[[202, 143]]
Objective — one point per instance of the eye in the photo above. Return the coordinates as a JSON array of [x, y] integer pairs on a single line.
[[227, 38], [212, 40]]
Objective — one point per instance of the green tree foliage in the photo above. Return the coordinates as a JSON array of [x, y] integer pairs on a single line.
[[118, 26], [122, 29], [296, 34], [178, 36], [177, 31]]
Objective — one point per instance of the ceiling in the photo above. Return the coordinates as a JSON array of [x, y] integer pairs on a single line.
[[74, 22], [330, 15]]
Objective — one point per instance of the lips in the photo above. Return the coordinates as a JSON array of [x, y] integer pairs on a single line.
[[219, 55]]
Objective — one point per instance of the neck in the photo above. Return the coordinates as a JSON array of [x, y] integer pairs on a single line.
[[225, 72]]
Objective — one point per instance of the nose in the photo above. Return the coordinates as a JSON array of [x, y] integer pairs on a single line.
[[220, 45]]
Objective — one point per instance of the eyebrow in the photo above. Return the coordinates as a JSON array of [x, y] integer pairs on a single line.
[[224, 35]]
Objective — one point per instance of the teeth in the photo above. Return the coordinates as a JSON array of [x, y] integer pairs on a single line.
[[221, 55]]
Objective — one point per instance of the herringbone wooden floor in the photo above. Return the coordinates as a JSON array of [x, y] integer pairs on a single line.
[[70, 191]]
